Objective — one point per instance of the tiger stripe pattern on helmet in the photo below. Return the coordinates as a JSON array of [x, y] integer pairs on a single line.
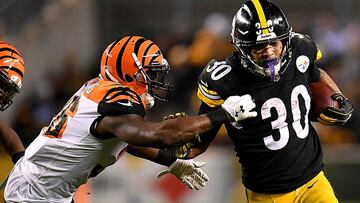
[[12, 64], [12, 70], [129, 61], [121, 49]]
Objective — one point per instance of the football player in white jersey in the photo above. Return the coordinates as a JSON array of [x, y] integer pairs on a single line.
[[105, 118], [12, 72]]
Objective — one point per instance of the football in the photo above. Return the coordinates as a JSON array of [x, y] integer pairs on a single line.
[[321, 99]]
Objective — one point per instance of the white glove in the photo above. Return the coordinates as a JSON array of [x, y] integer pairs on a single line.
[[188, 172], [239, 107]]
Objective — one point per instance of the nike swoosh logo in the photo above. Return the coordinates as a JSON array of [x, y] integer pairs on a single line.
[[312, 184], [128, 103]]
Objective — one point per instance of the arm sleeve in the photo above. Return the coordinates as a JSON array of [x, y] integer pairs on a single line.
[[208, 136], [314, 74]]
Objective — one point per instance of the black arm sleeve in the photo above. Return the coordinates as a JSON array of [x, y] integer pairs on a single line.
[[208, 136]]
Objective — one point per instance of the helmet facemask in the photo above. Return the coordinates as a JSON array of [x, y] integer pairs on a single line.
[[156, 77], [268, 68], [8, 89]]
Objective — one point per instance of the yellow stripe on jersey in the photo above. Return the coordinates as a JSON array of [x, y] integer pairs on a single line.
[[211, 98], [211, 92], [261, 16], [318, 54]]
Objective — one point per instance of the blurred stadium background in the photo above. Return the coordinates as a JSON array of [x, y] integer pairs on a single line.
[[62, 41]]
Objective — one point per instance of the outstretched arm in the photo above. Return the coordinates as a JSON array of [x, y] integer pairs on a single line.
[[188, 171], [11, 142], [192, 150], [134, 130]]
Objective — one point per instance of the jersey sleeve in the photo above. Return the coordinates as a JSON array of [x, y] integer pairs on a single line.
[[208, 136], [314, 72], [114, 99], [205, 92], [121, 100], [308, 46]]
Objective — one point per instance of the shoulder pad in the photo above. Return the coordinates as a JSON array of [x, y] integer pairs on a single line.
[[304, 42], [114, 99], [211, 80]]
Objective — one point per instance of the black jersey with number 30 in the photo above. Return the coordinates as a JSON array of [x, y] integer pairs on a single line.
[[279, 149]]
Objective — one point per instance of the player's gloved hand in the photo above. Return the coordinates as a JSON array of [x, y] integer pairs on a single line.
[[239, 107], [175, 115], [181, 151], [337, 116], [188, 172]]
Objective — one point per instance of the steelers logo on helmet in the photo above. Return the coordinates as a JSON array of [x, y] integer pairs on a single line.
[[138, 63], [258, 23], [12, 70]]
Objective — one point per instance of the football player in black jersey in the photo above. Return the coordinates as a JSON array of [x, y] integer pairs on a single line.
[[279, 150]]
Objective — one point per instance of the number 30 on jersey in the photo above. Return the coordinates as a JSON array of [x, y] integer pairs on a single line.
[[220, 69]]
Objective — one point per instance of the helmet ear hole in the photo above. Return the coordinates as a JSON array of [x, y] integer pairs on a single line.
[[128, 78]]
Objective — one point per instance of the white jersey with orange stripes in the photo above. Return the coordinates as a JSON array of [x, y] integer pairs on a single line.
[[66, 153]]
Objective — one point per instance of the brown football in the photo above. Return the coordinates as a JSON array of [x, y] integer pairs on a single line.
[[321, 99]]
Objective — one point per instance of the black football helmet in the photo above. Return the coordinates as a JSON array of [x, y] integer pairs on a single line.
[[258, 22]]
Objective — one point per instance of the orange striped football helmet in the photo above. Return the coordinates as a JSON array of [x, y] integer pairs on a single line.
[[12, 70], [137, 62]]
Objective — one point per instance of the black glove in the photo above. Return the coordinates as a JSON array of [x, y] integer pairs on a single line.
[[337, 116], [181, 151]]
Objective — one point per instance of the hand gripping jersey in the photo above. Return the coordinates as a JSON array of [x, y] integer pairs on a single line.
[[279, 149], [66, 153]]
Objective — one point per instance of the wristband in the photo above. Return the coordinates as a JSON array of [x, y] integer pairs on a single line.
[[16, 156], [218, 116]]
